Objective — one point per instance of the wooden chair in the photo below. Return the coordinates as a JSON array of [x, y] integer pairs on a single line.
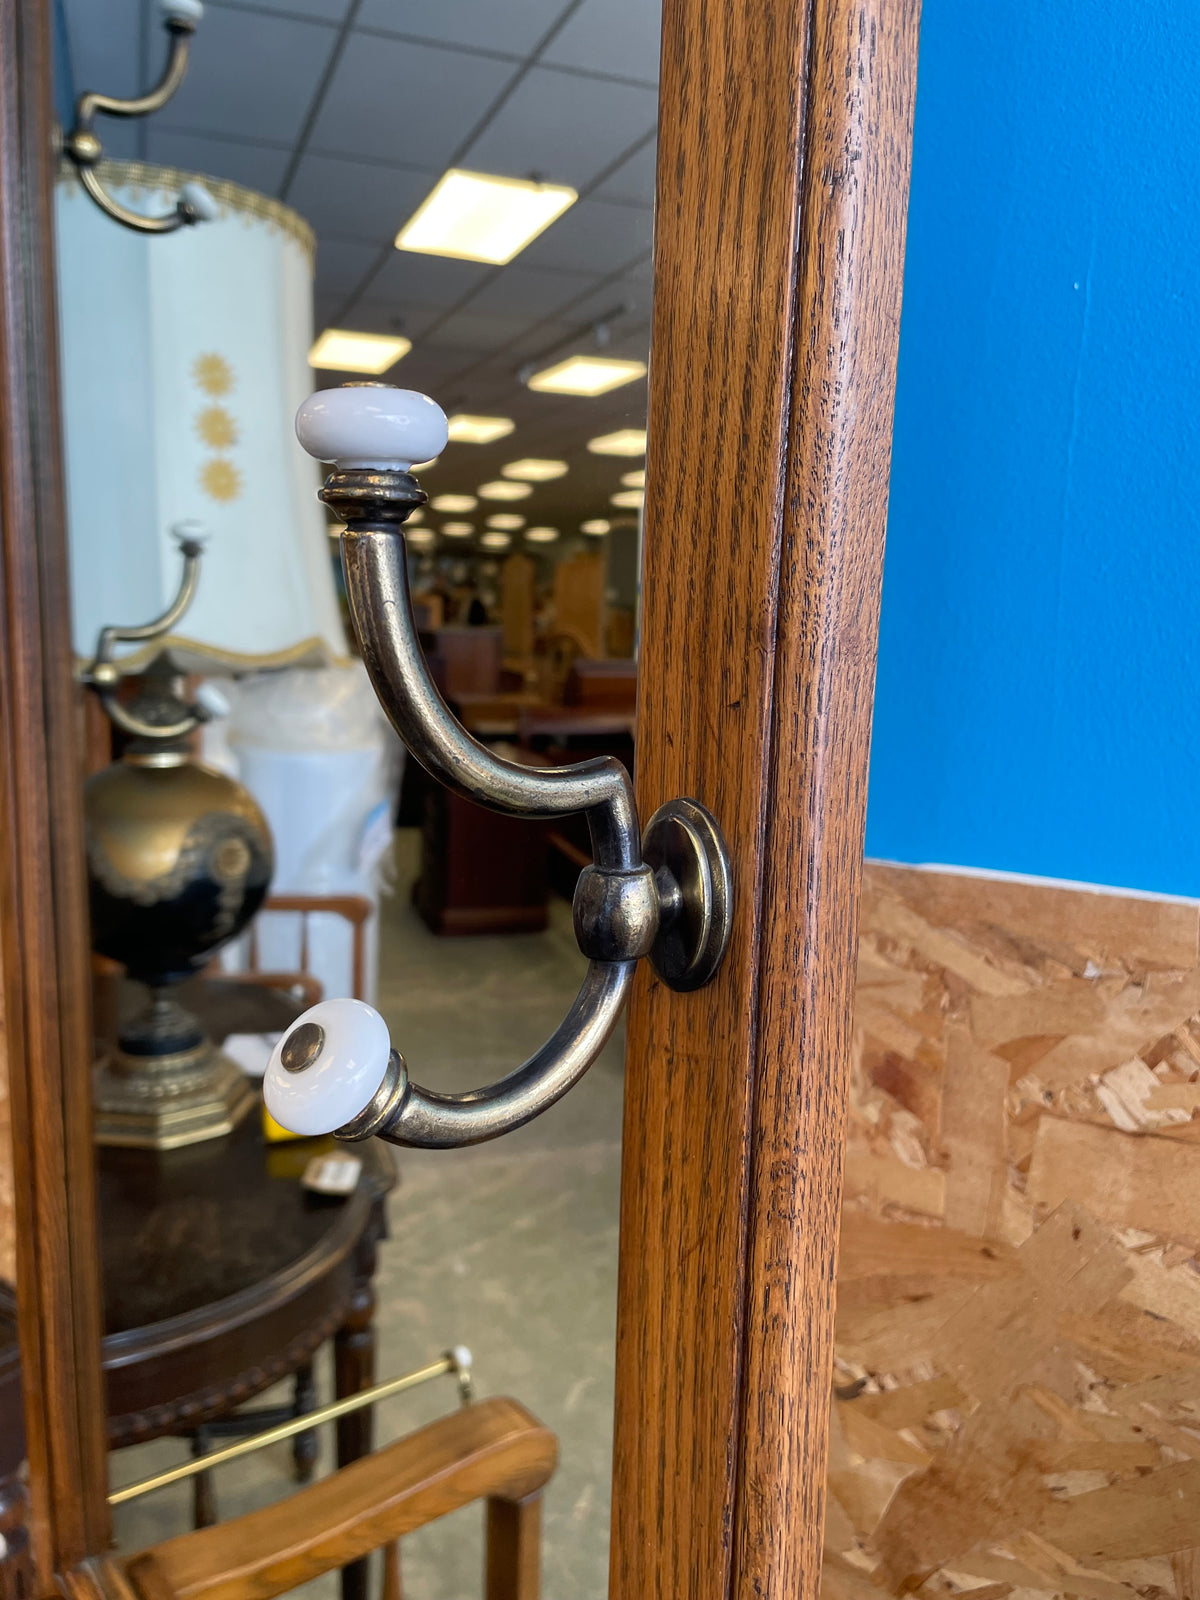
[[355, 909], [494, 1451]]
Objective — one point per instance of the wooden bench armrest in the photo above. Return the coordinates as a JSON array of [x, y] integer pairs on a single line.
[[493, 1450]]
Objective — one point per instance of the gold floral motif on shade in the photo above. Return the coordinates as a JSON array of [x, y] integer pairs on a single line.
[[213, 374], [217, 428], [220, 479]]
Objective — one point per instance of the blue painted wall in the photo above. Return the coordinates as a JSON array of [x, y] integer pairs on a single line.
[[1038, 700]]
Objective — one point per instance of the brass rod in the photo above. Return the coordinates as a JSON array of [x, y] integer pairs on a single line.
[[287, 1430]]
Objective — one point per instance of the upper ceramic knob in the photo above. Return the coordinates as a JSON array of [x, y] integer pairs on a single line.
[[188, 11], [327, 1067], [371, 425]]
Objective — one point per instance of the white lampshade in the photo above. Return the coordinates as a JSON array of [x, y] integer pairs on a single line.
[[184, 358]]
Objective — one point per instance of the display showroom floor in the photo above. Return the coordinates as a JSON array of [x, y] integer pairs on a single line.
[[510, 1249]]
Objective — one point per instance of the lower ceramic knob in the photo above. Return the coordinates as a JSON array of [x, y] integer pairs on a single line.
[[328, 1067]]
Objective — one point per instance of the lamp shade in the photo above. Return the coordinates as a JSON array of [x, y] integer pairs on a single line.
[[184, 358]]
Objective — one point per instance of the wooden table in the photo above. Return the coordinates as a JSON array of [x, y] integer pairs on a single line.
[[222, 1275]]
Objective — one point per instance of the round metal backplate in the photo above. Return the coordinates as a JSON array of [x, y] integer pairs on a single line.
[[685, 848]]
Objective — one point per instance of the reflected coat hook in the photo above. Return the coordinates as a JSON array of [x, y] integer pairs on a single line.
[[667, 896], [83, 146]]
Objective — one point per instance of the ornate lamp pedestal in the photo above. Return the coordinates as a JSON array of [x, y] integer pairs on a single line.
[[179, 860]]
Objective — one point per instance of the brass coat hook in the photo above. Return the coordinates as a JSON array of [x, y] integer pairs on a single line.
[[666, 896], [83, 146]]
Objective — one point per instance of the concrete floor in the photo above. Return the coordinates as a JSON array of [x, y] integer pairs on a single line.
[[510, 1248]]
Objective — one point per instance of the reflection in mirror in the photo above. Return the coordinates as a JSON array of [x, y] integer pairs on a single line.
[[456, 200]]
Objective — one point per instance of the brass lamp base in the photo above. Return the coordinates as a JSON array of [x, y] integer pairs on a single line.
[[163, 1102]]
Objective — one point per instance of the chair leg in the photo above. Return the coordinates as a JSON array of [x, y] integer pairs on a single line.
[[393, 1585], [304, 1446], [514, 1549], [204, 1499]]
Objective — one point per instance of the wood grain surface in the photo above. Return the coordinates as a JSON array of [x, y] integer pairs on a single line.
[[785, 134], [43, 921], [494, 1450]]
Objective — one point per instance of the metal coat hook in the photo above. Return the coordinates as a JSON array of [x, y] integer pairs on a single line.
[[173, 719], [83, 146], [666, 896]]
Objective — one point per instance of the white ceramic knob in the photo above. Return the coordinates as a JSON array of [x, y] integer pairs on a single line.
[[182, 11], [327, 1067], [199, 202], [371, 425]]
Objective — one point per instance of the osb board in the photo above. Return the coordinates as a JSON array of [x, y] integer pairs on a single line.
[[1017, 1410]]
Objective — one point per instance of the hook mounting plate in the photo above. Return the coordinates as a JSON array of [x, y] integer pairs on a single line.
[[686, 850]]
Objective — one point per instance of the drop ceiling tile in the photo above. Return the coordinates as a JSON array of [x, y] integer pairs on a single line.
[[477, 331], [250, 75], [562, 126], [633, 295], [426, 280], [522, 291], [102, 43], [635, 179], [341, 266], [617, 36], [513, 27], [356, 199], [371, 316], [318, 10], [258, 166], [406, 103], [593, 236]]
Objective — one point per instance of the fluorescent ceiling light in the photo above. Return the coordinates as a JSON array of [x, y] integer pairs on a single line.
[[454, 502], [501, 489], [634, 480], [595, 526], [339, 350], [625, 442], [458, 530], [541, 535], [505, 519], [629, 497], [421, 538], [532, 470], [477, 217], [464, 429], [415, 517], [586, 375], [495, 541]]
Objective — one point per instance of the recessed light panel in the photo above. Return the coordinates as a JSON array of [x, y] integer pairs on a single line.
[[476, 217], [505, 519], [339, 350], [531, 469], [458, 530], [625, 442], [501, 489], [541, 535], [634, 480], [629, 497], [420, 538], [595, 526], [495, 540], [586, 375], [465, 429], [454, 502]]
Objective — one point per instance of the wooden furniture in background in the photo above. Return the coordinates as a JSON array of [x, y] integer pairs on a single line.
[[607, 685], [354, 909], [481, 872], [779, 253], [517, 602], [579, 602], [467, 660], [493, 1451]]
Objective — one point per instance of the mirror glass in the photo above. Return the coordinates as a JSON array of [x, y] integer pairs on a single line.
[[458, 200]]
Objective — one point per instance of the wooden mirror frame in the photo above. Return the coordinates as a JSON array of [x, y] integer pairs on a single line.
[[783, 176]]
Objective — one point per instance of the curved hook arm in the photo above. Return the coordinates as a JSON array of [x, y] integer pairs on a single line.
[[102, 674], [83, 146], [335, 1070]]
